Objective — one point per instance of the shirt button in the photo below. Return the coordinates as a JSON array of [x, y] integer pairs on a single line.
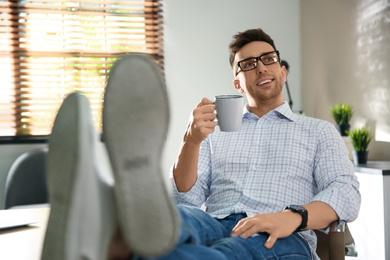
[[254, 167]]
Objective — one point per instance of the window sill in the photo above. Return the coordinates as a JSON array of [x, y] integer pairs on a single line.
[[33, 139]]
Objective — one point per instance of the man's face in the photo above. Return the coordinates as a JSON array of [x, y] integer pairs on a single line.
[[264, 84]]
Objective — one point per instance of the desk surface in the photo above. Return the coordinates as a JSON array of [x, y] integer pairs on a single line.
[[374, 167], [24, 243]]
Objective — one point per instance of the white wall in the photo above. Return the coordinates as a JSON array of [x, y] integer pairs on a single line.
[[196, 36], [346, 58]]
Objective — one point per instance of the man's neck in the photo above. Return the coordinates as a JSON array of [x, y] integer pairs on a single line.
[[260, 109]]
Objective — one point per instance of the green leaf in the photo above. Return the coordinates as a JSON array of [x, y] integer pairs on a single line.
[[361, 138], [342, 113]]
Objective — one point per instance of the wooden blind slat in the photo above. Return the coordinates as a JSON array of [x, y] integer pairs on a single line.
[[49, 48], [132, 3]]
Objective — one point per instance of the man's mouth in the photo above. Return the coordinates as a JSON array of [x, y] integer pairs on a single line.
[[264, 82]]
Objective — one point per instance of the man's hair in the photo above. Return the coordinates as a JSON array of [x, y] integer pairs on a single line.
[[243, 38]]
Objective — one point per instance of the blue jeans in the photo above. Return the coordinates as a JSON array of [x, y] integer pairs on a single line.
[[205, 238]]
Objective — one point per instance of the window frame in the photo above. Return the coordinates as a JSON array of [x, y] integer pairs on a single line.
[[153, 39]]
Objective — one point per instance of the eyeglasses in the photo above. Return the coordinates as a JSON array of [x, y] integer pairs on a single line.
[[251, 63]]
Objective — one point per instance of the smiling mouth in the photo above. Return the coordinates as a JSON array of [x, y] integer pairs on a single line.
[[264, 82]]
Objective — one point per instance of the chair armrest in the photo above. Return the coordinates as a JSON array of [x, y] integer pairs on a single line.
[[350, 249], [337, 240], [341, 241], [337, 226]]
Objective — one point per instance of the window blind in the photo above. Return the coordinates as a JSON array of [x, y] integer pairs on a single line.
[[49, 48]]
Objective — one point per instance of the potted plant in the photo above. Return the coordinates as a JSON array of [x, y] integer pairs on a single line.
[[361, 138], [342, 113]]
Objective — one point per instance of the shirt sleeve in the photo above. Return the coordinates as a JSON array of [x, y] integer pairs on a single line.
[[199, 193], [334, 174]]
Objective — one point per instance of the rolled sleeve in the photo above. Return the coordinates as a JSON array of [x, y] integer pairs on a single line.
[[199, 193], [334, 174]]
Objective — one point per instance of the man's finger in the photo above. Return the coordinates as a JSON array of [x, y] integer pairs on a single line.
[[242, 228], [270, 242], [205, 101]]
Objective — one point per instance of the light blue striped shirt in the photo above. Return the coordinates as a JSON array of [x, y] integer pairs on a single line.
[[274, 161]]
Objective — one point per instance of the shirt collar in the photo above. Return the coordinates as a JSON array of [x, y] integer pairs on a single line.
[[283, 110]]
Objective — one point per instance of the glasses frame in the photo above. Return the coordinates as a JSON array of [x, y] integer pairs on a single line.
[[239, 68]]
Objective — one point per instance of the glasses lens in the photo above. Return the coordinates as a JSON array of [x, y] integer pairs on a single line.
[[248, 64], [269, 58]]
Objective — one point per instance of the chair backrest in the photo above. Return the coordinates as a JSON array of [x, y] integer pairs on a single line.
[[26, 182]]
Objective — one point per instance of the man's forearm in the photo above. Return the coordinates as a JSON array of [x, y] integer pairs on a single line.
[[185, 171], [201, 124], [320, 215]]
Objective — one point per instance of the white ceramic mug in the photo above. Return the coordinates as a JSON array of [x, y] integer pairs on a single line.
[[229, 112]]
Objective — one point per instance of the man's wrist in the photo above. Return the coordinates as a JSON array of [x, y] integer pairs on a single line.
[[298, 209]]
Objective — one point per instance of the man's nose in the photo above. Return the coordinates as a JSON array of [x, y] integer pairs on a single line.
[[261, 68]]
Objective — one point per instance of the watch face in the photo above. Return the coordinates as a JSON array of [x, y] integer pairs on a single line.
[[297, 208]]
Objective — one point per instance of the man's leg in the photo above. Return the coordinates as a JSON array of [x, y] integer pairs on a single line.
[[82, 216], [204, 237], [291, 248], [198, 229], [135, 127]]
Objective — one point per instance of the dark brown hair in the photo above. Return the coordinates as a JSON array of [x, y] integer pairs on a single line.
[[243, 38]]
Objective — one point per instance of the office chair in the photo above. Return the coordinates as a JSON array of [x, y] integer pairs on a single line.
[[337, 244], [26, 182]]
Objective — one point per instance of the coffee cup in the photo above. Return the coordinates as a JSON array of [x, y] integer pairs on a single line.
[[229, 112]]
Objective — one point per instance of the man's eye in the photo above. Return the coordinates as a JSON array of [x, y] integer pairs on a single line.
[[249, 64], [268, 59]]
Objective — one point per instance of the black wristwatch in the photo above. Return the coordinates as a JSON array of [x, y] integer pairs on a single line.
[[303, 212]]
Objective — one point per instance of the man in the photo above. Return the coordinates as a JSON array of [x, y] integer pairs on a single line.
[[246, 179], [276, 160]]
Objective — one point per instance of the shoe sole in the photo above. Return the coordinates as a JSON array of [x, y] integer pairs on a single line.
[[61, 173], [77, 226], [135, 126]]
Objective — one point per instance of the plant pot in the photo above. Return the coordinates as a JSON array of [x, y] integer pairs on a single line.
[[360, 157], [342, 129]]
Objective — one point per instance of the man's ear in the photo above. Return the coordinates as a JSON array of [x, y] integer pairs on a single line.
[[284, 73], [237, 86]]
